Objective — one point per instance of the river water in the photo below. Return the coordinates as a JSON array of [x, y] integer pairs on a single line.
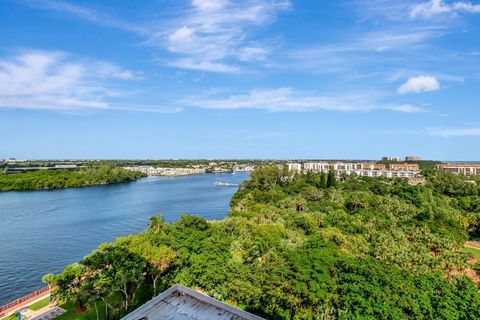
[[43, 231]]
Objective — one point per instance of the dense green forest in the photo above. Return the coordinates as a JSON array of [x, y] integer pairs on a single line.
[[55, 179], [302, 247]]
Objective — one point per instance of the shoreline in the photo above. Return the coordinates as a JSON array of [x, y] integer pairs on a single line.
[[72, 187], [116, 183]]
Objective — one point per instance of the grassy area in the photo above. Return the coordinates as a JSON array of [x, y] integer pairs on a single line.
[[71, 313], [34, 306], [89, 314], [10, 317], [39, 304], [474, 252]]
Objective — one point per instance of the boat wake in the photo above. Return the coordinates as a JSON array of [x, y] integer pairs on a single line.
[[225, 184]]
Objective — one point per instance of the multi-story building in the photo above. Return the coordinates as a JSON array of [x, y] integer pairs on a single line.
[[391, 159], [374, 166], [14, 160], [349, 166], [457, 168], [404, 167], [398, 159], [358, 168], [153, 171], [412, 158], [295, 167], [317, 166], [337, 166], [389, 174]]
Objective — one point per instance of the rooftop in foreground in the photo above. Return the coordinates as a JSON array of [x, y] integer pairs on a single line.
[[180, 302]]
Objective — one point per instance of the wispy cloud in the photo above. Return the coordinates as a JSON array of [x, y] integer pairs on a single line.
[[419, 84], [375, 41], [201, 65], [290, 100], [213, 33], [209, 35], [433, 8], [458, 132], [390, 10], [399, 11], [89, 14], [47, 80], [364, 49]]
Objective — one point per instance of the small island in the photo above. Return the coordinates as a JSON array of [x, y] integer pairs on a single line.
[[49, 179]]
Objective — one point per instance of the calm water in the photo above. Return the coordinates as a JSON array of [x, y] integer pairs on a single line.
[[43, 231]]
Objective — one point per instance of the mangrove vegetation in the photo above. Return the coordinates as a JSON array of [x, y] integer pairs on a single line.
[[55, 179]]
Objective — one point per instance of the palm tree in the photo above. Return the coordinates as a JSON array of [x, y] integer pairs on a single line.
[[49, 279], [92, 299], [260, 252], [156, 224], [80, 298]]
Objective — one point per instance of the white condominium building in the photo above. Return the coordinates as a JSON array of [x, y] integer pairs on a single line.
[[412, 158], [358, 168], [404, 167], [295, 167], [392, 159], [389, 174], [325, 166], [350, 166], [457, 168], [317, 166]]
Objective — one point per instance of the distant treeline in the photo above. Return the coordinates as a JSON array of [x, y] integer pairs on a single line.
[[56, 179], [180, 163]]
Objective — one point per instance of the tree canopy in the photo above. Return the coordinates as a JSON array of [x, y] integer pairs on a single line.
[[55, 179], [303, 247]]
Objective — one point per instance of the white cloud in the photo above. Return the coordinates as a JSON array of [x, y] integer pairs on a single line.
[[209, 34], [215, 33], [87, 14], [110, 70], [253, 53], [56, 81], [363, 50], [288, 99], [208, 66], [209, 4], [407, 108], [419, 84], [182, 39], [462, 132], [432, 8]]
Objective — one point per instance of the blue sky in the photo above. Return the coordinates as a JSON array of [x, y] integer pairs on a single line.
[[240, 79]]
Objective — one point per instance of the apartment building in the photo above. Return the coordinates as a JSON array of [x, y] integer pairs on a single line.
[[358, 168], [337, 166], [317, 166], [412, 158], [153, 171], [295, 167], [404, 167], [374, 166], [398, 159], [457, 168], [389, 174], [349, 166]]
